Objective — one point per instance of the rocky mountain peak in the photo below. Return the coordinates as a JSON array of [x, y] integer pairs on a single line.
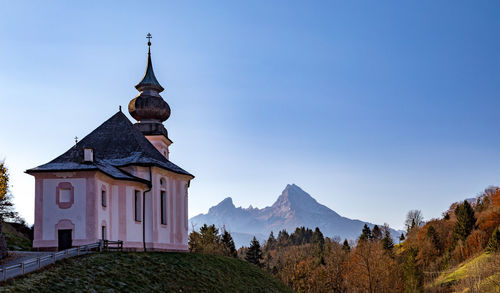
[[294, 197], [293, 208], [224, 205]]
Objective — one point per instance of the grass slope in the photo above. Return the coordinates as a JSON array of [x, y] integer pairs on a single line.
[[16, 239], [145, 272], [479, 274]]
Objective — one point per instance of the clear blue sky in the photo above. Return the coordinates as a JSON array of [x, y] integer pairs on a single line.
[[373, 107]]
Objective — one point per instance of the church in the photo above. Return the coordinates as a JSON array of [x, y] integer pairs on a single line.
[[117, 183]]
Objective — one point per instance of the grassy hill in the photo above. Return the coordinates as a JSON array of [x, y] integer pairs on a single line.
[[145, 272], [17, 236], [479, 274]]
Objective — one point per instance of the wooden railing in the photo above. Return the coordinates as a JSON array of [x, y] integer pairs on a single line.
[[109, 245], [36, 263]]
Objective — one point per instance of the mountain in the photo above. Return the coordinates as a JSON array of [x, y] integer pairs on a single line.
[[293, 208]]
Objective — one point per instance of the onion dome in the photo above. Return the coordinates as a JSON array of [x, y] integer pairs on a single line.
[[149, 106]]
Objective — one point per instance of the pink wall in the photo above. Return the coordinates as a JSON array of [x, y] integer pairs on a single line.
[[86, 215]]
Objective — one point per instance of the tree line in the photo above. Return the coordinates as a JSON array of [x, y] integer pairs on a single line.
[[307, 261]]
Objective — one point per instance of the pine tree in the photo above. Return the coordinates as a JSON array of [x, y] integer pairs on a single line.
[[254, 253], [494, 243], [283, 238], [271, 242], [465, 220], [345, 246], [402, 237], [387, 242], [228, 243], [376, 233], [317, 237], [413, 276], [366, 233], [434, 238], [194, 242]]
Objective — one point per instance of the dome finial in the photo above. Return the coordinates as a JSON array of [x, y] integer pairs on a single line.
[[149, 80], [149, 106], [149, 37]]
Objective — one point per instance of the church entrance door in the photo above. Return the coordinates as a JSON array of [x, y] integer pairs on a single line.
[[65, 240]]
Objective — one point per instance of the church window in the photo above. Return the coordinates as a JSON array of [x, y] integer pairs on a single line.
[[103, 232], [163, 203], [137, 206], [65, 195], [103, 198]]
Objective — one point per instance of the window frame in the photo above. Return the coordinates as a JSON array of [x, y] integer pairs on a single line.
[[104, 200], [163, 207], [137, 206]]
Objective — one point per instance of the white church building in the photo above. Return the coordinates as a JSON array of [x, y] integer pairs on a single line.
[[117, 183]]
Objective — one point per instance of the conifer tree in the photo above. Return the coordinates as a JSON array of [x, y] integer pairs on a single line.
[[376, 233], [434, 238], [271, 242], [366, 233], [402, 237], [228, 243], [317, 237], [413, 276], [345, 246], [465, 220], [387, 242], [494, 243], [254, 253], [283, 238]]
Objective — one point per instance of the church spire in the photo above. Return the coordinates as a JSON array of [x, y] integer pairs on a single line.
[[149, 81], [149, 108]]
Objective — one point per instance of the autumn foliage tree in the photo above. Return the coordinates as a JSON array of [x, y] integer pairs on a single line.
[[5, 205], [307, 261]]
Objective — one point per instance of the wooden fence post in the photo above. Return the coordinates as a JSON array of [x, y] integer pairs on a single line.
[[22, 267], [3, 273], [38, 261]]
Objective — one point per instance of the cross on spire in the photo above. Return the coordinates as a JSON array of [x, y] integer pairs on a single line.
[[148, 36]]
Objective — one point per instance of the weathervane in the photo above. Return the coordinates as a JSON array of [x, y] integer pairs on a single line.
[[76, 140], [148, 36]]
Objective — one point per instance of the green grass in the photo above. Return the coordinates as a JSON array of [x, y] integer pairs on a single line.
[[483, 269], [16, 240], [146, 272]]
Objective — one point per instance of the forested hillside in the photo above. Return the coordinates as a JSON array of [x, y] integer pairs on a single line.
[[459, 251], [455, 252]]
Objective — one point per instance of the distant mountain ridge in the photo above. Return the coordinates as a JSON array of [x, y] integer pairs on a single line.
[[293, 208]]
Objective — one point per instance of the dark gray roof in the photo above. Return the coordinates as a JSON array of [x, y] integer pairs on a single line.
[[116, 143], [149, 80]]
